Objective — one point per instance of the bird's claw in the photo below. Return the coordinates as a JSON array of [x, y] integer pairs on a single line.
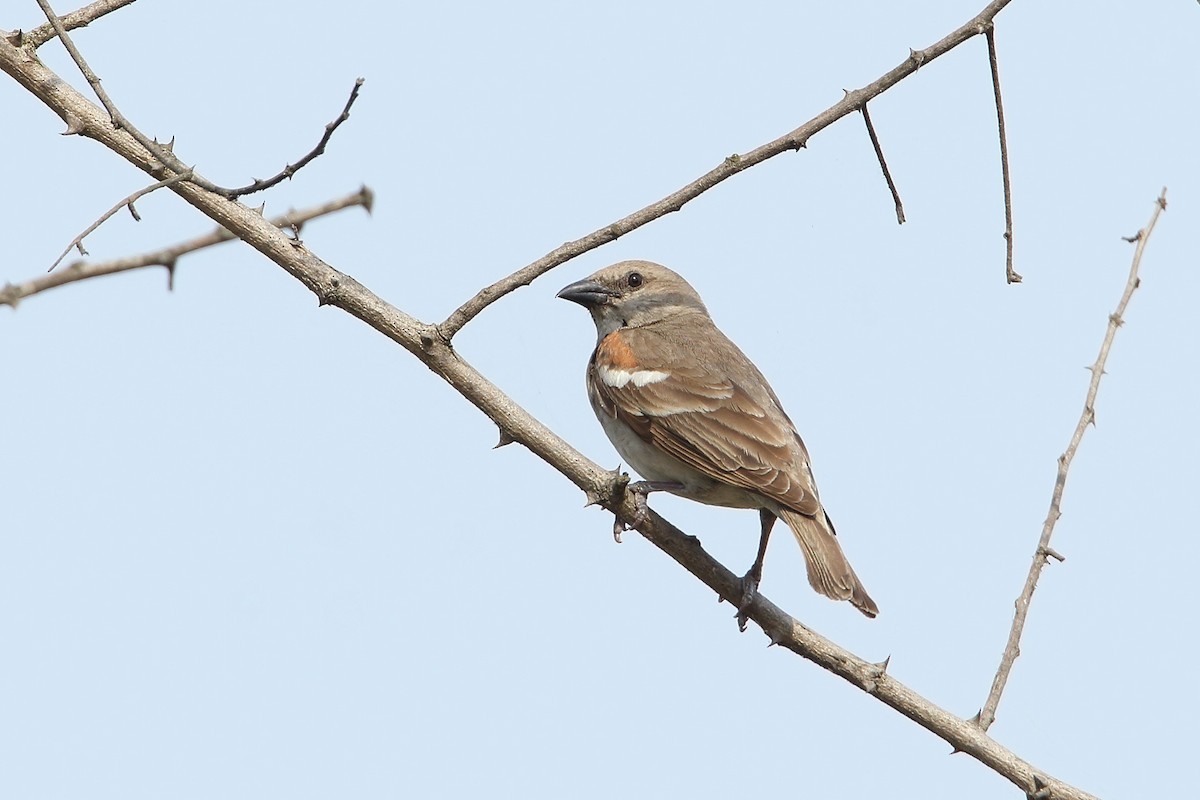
[[749, 593], [641, 512]]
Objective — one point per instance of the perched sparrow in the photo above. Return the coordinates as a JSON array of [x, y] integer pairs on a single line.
[[687, 410]]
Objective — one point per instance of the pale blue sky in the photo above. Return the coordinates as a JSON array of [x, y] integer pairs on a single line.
[[252, 549]]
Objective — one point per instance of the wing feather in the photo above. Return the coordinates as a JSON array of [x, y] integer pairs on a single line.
[[712, 421]]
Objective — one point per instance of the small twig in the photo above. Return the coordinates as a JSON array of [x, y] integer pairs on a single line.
[[11, 294], [76, 19], [1010, 275], [291, 169], [730, 167], [887, 175], [77, 242], [163, 155], [987, 714]]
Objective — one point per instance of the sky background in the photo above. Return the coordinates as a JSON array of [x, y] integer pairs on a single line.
[[250, 548]]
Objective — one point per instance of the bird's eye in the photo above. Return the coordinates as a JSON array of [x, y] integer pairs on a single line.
[[634, 279]]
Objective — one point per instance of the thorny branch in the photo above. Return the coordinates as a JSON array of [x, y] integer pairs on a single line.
[[163, 154], [987, 714], [291, 169], [429, 344], [11, 294], [166, 159], [798, 138]]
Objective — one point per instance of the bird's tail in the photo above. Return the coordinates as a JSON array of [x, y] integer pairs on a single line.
[[828, 570]]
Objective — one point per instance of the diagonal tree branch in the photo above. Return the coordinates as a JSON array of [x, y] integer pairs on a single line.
[[1041, 556], [794, 140], [11, 294], [164, 154], [76, 19]]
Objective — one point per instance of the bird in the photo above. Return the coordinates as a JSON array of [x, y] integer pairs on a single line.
[[691, 414]]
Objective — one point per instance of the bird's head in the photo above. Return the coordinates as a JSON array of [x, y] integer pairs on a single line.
[[632, 294]]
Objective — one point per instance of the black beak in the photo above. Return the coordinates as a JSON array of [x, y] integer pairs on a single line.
[[587, 293]]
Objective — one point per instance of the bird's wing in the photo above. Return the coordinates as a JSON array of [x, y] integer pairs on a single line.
[[728, 428]]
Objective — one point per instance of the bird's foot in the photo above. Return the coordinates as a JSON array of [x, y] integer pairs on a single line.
[[749, 594], [640, 491]]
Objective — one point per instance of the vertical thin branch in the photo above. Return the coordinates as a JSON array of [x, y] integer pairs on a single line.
[[887, 175], [1010, 274], [987, 714]]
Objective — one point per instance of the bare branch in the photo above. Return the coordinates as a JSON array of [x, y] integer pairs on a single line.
[[76, 19], [730, 167], [1010, 275], [75, 125], [426, 343], [291, 169], [77, 242], [163, 154], [887, 175], [11, 294], [987, 714]]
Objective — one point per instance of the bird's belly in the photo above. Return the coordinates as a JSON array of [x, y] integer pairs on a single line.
[[654, 465]]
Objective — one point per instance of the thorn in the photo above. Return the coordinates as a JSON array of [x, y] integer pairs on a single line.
[[592, 497], [132, 210], [15, 38], [917, 55], [262, 207], [169, 146], [975, 719], [505, 439], [954, 750], [170, 265], [883, 665], [74, 125], [1131, 239], [82, 250], [368, 198]]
